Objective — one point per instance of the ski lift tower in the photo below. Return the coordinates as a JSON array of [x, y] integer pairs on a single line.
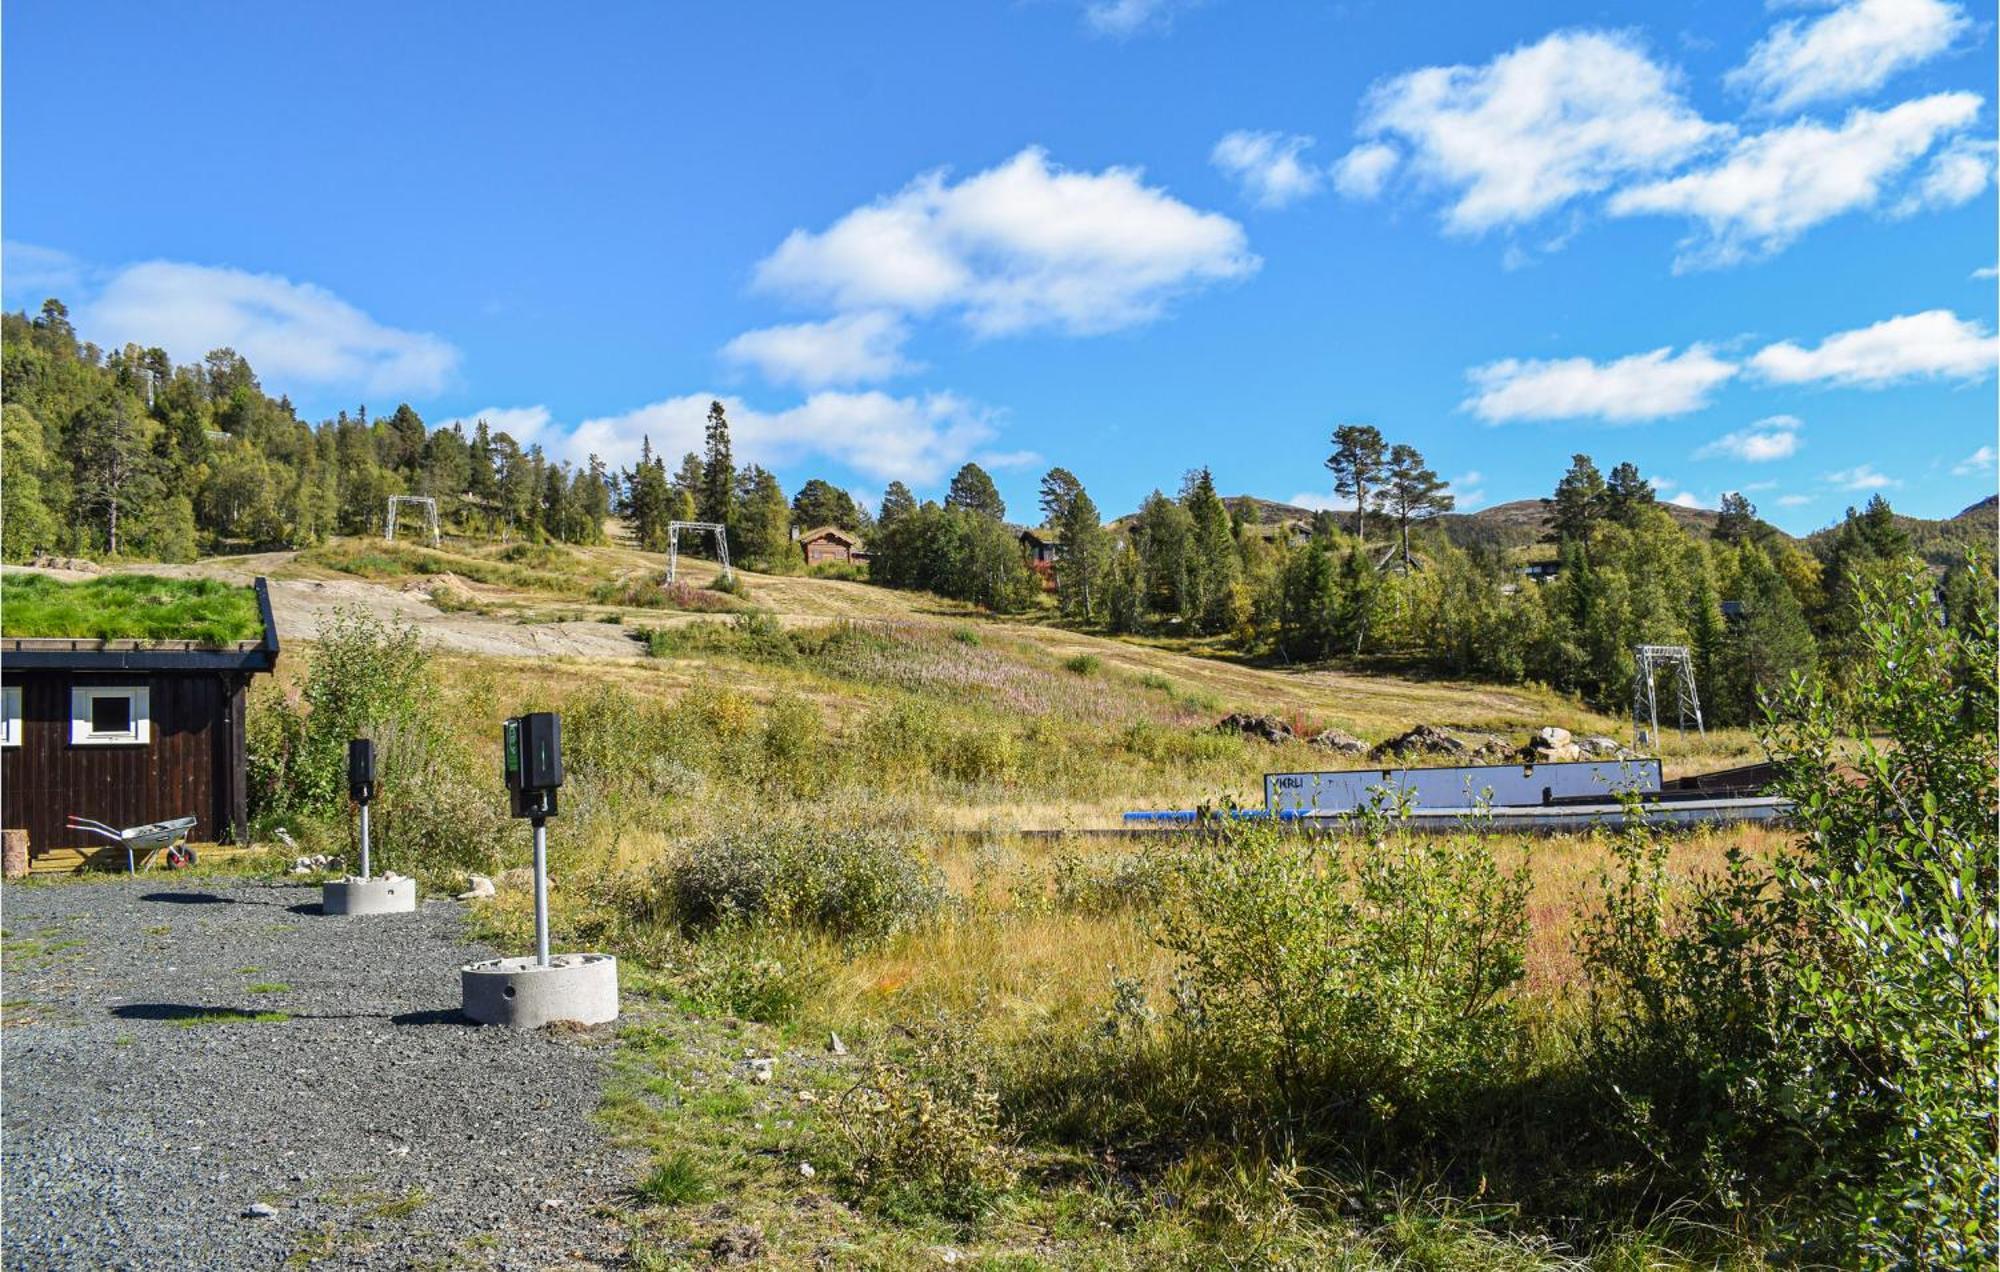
[[674, 529], [1651, 662], [424, 503]]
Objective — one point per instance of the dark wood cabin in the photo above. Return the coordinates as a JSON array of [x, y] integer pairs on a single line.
[[1042, 546], [830, 543], [127, 733]]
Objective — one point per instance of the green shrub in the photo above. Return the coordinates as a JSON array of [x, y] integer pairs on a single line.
[[978, 755], [1813, 1044], [1083, 664], [1127, 881], [844, 881], [794, 744], [1362, 982], [730, 584], [922, 1137]]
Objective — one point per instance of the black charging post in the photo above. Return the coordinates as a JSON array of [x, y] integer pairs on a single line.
[[361, 787], [532, 749]]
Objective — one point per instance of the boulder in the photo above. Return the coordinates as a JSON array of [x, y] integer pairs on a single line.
[[1339, 743], [1599, 747], [1424, 739], [479, 886], [519, 879], [1265, 728]]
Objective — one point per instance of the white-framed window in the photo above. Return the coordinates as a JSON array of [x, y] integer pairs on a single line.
[[10, 715], [109, 715]]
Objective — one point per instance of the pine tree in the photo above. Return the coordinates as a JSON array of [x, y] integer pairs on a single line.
[[109, 456], [763, 519], [973, 490], [1625, 493], [896, 501], [821, 503], [1578, 504], [1412, 490], [1737, 522], [1357, 464]]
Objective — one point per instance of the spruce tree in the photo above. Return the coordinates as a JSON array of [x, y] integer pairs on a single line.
[[896, 501], [717, 500]]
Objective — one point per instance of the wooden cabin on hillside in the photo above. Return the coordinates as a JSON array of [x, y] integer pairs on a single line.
[[830, 543], [128, 731]]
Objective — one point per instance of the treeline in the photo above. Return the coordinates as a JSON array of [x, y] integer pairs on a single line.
[[123, 453]]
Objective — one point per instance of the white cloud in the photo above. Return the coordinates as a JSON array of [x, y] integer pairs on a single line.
[[1023, 245], [1772, 187], [1850, 51], [525, 424], [1987, 271], [1267, 166], [1958, 174], [1794, 501], [1468, 490], [1686, 500], [1863, 477], [1122, 18], [33, 274], [917, 439], [1574, 114], [1979, 461], [1318, 502], [1774, 437], [1363, 171], [1935, 344], [847, 349], [1644, 386], [292, 333]]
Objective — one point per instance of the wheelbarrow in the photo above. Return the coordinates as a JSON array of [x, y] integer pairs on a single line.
[[168, 837]]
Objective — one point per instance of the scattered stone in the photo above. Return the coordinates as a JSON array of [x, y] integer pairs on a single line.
[[835, 1045], [948, 1256], [259, 1210], [1339, 743], [314, 864], [738, 1245], [1553, 745], [552, 1203], [480, 886], [806, 1170], [1264, 728], [762, 1070]]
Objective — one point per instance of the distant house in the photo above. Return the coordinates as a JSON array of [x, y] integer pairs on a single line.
[[1542, 571], [1042, 547], [127, 732], [830, 543]]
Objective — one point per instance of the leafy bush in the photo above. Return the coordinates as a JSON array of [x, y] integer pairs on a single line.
[[1127, 881], [1083, 664], [842, 880], [1365, 987], [923, 1137], [432, 812], [1814, 1043]]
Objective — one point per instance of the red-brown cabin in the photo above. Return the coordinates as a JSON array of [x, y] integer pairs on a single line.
[[831, 543]]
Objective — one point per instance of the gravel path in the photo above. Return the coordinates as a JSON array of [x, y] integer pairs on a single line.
[[379, 1128]]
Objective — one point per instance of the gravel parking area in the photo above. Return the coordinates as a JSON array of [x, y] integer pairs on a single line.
[[176, 1057]]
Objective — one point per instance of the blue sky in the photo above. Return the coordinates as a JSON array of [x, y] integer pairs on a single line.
[[1749, 249]]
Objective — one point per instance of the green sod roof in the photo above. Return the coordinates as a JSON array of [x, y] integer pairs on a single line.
[[128, 607]]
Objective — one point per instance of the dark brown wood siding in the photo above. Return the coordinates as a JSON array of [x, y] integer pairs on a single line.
[[193, 763]]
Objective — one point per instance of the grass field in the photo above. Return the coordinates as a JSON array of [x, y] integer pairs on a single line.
[[128, 607]]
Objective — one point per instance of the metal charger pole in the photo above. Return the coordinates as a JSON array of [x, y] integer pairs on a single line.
[[364, 839], [541, 892]]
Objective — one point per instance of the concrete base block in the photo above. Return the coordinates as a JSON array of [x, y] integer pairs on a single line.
[[383, 894], [518, 993]]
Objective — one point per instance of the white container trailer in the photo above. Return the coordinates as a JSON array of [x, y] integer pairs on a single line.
[[1461, 786]]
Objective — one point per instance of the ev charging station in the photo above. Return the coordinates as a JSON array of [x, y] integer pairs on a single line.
[[364, 893], [529, 992]]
